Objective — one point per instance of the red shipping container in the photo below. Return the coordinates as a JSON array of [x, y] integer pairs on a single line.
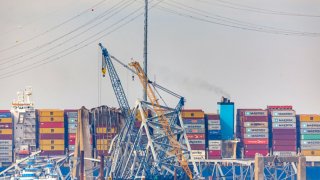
[[254, 119], [4, 111], [196, 136], [197, 146], [284, 137], [6, 136], [255, 141], [284, 148], [51, 153], [279, 107], [252, 153], [256, 146], [285, 142], [51, 125], [51, 136], [72, 142], [214, 153], [213, 117], [72, 136], [5, 125]]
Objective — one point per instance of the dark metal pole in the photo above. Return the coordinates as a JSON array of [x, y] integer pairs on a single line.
[[145, 51], [101, 167], [82, 165]]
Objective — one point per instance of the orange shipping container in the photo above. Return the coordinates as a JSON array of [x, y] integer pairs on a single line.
[[52, 147], [310, 152], [309, 118], [103, 141], [51, 130], [5, 120], [103, 147], [52, 142], [193, 114], [51, 119], [5, 131], [50, 112], [104, 130]]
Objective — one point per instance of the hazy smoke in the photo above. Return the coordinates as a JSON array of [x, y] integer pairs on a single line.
[[202, 85]]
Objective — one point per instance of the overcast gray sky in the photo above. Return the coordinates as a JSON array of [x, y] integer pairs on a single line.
[[191, 54]]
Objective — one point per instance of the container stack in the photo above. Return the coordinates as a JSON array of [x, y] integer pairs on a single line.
[[6, 137], [213, 136], [51, 132], [284, 131], [310, 135], [194, 124], [252, 125], [71, 117]]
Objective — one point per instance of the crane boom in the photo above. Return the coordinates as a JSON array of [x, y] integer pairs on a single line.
[[123, 141], [176, 149]]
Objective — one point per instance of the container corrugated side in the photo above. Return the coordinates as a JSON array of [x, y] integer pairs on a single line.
[[256, 130], [192, 114], [5, 120], [284, 125], [193, 121], [51, 125], [5, 125], [196, 136], [310, 152], [194, 126], [51, 119], [5, 159], [284, 153], [51, 130], [256, 141], [309, 118], [310, 125], [197, 131], [256, 135], [309, 131], [284, 119], [5, 142], [255, 124], [283, 113], [310, 136], [5, 131], [104, 130], [213, 122], [52, 142], [310, 142], [50, 112], [52, 147], [52, 136]]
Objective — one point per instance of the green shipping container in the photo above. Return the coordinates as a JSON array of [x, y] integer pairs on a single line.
[[310, 136]]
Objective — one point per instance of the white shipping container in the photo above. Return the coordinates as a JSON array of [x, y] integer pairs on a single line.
[[5, 159], [199, 157], [310, 142], [256, 135], [6, 148], [256, 124], [5, 153], [283, 125], [198, 152], [310, 147], [256, 113], [194, 126], [214, 142], [197, 141], [284, 119], [214, 147], [284, 153], [195, 131], [5, 142], [311, 125], [214, 127], [213, 122], [257, 130], [310, 131], [283, 113]]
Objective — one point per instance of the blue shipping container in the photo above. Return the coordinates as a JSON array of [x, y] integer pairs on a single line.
[[5, 115], [193, 121]]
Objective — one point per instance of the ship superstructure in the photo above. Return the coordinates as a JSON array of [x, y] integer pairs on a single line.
[[24, 116]]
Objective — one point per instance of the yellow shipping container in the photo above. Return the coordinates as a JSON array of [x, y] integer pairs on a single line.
[[103, 147], [309, 118], [51, 119], [104, 130], [5, 120], [52, 142], [192, 114], [5, 131], [50, 112], [103, 141], [52, 147], [51, 130], [310, 152]]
